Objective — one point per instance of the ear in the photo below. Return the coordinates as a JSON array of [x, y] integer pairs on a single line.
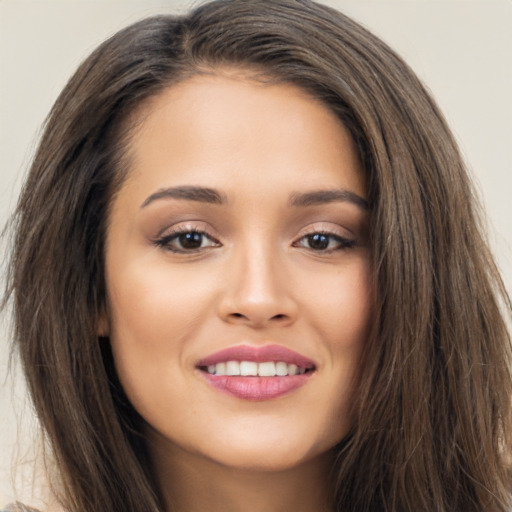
[[102, 324]]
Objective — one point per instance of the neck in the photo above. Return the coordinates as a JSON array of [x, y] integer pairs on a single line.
[[192, 483]]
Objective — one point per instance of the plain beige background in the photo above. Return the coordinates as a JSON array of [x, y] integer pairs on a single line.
[[460, 48]]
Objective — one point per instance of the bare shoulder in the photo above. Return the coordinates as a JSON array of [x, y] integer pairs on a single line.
[[18, 507]]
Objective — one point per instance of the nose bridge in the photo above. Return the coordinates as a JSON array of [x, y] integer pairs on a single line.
[[258, 279], [256, 289]]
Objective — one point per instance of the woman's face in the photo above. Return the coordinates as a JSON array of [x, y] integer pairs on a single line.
[[238, 244]]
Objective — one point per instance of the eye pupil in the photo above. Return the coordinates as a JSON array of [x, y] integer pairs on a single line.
[[318, 241], [191, 240]]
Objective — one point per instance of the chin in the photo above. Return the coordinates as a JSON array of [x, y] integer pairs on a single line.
[[274, 452], [255, 459]]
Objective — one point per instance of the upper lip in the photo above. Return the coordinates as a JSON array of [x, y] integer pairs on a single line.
[[258, 354]]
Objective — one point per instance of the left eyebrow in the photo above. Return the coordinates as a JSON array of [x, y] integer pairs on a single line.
[[318, 197], [187, 193]]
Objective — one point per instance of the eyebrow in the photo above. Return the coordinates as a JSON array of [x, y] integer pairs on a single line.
[[212, 196], [318, 197], [188, 193]]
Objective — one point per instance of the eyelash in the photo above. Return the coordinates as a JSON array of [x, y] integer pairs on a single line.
[[342, 243], [165, 242]]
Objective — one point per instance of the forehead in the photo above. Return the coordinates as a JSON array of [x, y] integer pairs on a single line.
[[230, 127]]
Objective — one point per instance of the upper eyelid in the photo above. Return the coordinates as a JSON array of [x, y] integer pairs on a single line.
[[185, 227], [325, 233], [166, 241], [200, 226], [341, 238], [321, 227], [180, 231]]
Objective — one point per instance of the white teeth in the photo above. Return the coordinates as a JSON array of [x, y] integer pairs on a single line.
[[281, 369], [220, 369], [292, 369], [252, 369], [232, 368], [248, 368], [267, 369]]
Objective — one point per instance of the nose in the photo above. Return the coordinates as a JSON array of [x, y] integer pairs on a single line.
[[258, 291]]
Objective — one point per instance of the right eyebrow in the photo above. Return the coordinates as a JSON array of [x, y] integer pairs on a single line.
[[189, 193], [317, 197]]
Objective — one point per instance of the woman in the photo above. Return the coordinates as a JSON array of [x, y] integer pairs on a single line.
[[248, 273]]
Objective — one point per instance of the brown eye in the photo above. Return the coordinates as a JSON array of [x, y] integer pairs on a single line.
[[187, 241], [318, 241], [192, 240], [324, 242]]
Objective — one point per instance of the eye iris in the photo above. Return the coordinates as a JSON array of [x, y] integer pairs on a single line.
[[318, 241], [190, 240]]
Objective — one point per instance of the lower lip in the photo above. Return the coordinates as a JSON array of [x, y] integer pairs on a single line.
[[257, 388]]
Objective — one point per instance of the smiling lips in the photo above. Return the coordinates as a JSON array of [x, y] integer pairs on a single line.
[[256, 373]]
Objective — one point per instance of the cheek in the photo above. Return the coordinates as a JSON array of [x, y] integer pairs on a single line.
[[343, 307], [344, 318], [152, 302], [340, 308], [154, 312]]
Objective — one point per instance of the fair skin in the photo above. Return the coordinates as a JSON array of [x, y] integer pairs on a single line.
[[220, 239]]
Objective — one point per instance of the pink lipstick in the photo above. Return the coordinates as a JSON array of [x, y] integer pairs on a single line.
[[256, 373]]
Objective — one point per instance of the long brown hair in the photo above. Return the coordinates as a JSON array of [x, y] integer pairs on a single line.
[[433, 408]]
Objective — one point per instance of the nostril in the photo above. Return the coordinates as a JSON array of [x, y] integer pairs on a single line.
[[279, 317]]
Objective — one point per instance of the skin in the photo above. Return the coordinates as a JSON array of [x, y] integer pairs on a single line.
[[255, 279]]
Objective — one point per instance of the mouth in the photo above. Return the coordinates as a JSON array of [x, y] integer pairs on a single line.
[[254, 369], [256, 373]]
